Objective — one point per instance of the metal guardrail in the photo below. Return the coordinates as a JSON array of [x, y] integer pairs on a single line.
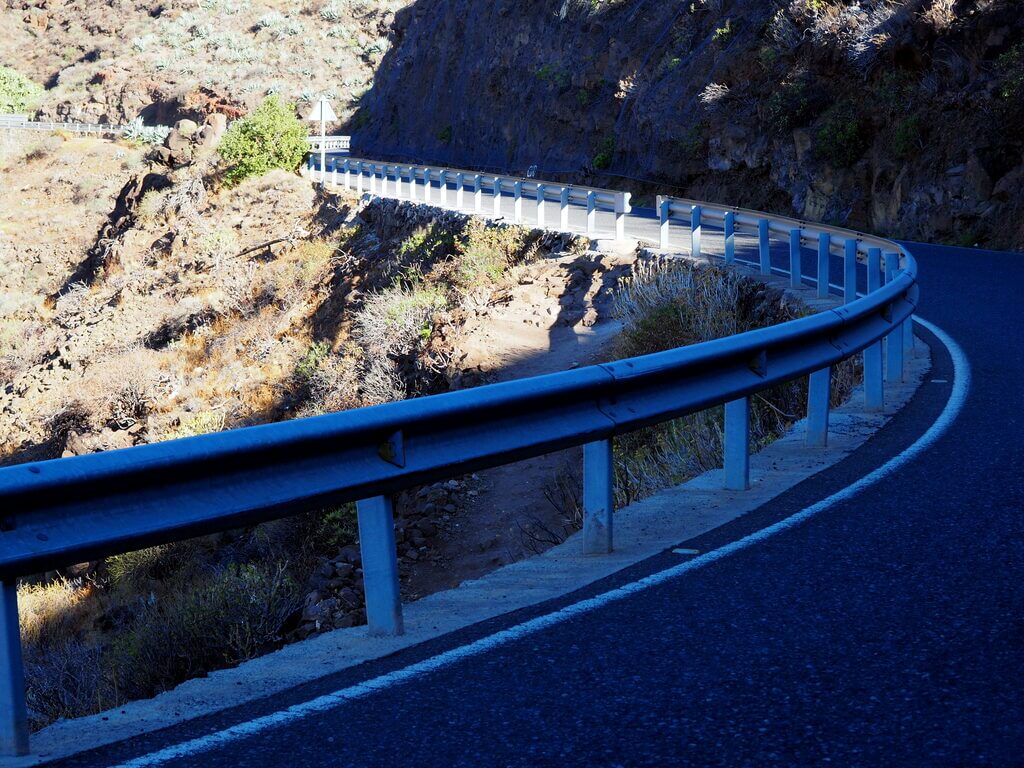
[[331, 143], [21, 122], [56, 513], [374, 176]]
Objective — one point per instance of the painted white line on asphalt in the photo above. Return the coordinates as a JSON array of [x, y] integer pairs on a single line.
[[957, 398]]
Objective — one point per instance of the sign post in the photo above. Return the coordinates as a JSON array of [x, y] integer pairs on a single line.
[[323, 112]]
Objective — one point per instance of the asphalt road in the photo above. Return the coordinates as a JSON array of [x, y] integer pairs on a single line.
[[886, 630]]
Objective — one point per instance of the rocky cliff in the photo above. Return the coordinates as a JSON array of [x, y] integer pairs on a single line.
[[903, 118]]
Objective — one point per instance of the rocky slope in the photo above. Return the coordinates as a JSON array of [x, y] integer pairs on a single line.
[[903, 118]]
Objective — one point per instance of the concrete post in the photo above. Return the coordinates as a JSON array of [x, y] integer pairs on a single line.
[[563, 209], [824, 263], [729, 221], [460, 185], [428, 185], [348, 174], [334, 171], [591, 214], [818, 395], [695, 227], [518, 196], [412, 182], [737, 444], [664, 214], [620, 216], [442, 177], [764, 247], [541, 191], [893, 341], [497, 197], [478, 193], [850, 271], [13, 713], [796, 262], [874, 394], [359, 179], [380, 566], [598, 497]]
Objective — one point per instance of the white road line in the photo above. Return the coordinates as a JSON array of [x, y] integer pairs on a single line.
[[957, 398]]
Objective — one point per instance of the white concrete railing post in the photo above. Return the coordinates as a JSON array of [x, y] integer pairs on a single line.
[[874, 391], [824, 263], [598, 497], [764, 247], [591, 214], [621, 205], [443, 178], [478, 193], [849, 271], [380, 566], [517, 216], [664, 214], [496, 212], [541, 192], [737, 444], [13, 712], [348, 174], [460, 186], [359, 178], [729, 223], [428, 185], [819, 393], [563, 209], [894, 341], [796, 261], [334, 171], [695, 231]]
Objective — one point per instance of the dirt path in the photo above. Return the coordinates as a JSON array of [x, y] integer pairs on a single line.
[[559, 318]]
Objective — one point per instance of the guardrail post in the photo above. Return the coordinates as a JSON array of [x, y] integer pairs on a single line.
[[874, 393], [824, 263], [893, 341], [764, 247], [796, 262], [737, 444], [518, 205], [412, 182], [359, 179], [460, 184], [598, 497], [428, 185], [664, 213], [478, 192], [443, 179], [380, 565], [348, 173], [620, 216], [591, 214], [373, 179], [497, 197], [850, 271], [695, 214], [563, 209], [13, 714], [729, 222], [819, 393], [334, 171], [541, 191]]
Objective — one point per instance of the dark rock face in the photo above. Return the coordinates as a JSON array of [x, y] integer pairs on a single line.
[[848, 112]]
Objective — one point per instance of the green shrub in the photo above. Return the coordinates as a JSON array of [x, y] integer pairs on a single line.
[[17, 92], [908, 136], [204, 624], [840, 138], [791, 106], [270, 137], [310, 362], [445, 135], [605, 152], [1011, 67]]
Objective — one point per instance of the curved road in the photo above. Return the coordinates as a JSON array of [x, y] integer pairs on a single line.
[[887, 629]]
